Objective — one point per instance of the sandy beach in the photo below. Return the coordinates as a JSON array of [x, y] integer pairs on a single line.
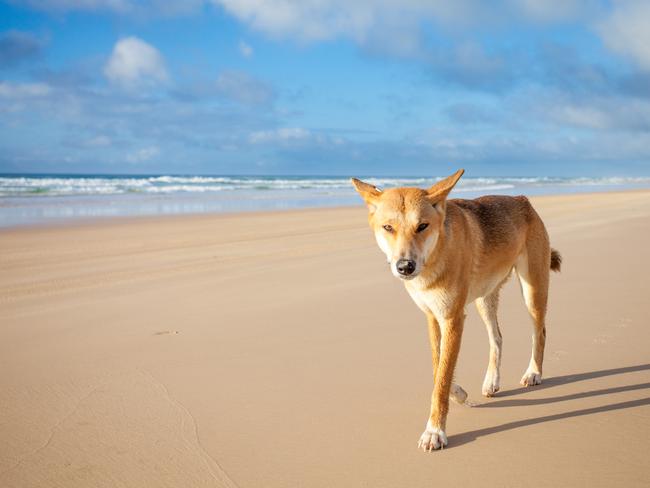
[[276, 350]]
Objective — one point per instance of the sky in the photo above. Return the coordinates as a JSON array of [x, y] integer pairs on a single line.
[[326, 87]]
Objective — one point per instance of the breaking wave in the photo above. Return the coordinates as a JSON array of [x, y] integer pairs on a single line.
[[50, 185]]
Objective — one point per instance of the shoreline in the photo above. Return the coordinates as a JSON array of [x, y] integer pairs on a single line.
[[146, 218]]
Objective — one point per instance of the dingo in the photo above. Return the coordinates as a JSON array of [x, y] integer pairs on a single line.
[[452, 252]]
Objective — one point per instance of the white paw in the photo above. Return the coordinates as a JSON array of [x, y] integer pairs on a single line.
[[432, 439], [531, 378], [457, 394], [490, 384]]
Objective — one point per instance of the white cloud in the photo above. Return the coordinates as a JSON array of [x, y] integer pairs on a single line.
[[245, 49], [142, 155], [555, 10], [284, 134], [323, 19], [243, 88], [627, 30], [133, 7], [65, 5], [394, 21], [98, 141], [23, 90], [581, 116], [309, 20], [133, 63]]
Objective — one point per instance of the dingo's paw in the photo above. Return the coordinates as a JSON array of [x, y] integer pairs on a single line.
[[490, 384], [457, 394], [531, 378], [432, 439]]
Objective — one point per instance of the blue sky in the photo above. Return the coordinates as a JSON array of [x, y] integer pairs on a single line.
[[384, 87]]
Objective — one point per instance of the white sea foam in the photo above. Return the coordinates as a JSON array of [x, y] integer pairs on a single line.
[[47, 185], [33, 199]]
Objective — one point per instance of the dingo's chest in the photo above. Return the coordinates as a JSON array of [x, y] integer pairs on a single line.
[[440, 301], [437, 301]]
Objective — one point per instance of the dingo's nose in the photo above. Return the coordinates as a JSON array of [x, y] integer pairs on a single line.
[[405, 267]]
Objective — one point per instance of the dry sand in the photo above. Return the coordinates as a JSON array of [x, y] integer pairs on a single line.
[[269, 350]]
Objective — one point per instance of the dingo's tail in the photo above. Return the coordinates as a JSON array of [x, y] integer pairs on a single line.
[[556, 260]]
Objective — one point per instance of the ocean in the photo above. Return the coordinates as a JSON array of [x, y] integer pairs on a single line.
[[47, 198]]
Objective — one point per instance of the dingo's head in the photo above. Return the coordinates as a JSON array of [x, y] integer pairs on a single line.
[[407, 222]]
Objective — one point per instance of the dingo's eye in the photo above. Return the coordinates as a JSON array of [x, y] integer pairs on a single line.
[[421, 227], [388, 228]]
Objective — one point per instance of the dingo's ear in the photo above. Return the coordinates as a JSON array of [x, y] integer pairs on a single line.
[[440, 190], [368, 192]]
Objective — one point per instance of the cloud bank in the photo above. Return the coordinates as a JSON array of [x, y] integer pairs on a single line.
[[398, 86]]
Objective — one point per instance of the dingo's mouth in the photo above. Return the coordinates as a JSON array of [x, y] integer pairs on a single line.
[[407, 277]]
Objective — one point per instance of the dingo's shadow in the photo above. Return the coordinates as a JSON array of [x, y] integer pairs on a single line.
[[460, 439], [563, 380]]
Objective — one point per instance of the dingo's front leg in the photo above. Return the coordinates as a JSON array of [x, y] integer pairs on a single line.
[[450, 333]]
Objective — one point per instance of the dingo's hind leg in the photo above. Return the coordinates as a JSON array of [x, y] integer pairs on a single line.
[[487, 309], [533, 268]]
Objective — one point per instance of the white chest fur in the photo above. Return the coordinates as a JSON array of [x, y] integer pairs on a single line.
[[441, 301], [437, 301]]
